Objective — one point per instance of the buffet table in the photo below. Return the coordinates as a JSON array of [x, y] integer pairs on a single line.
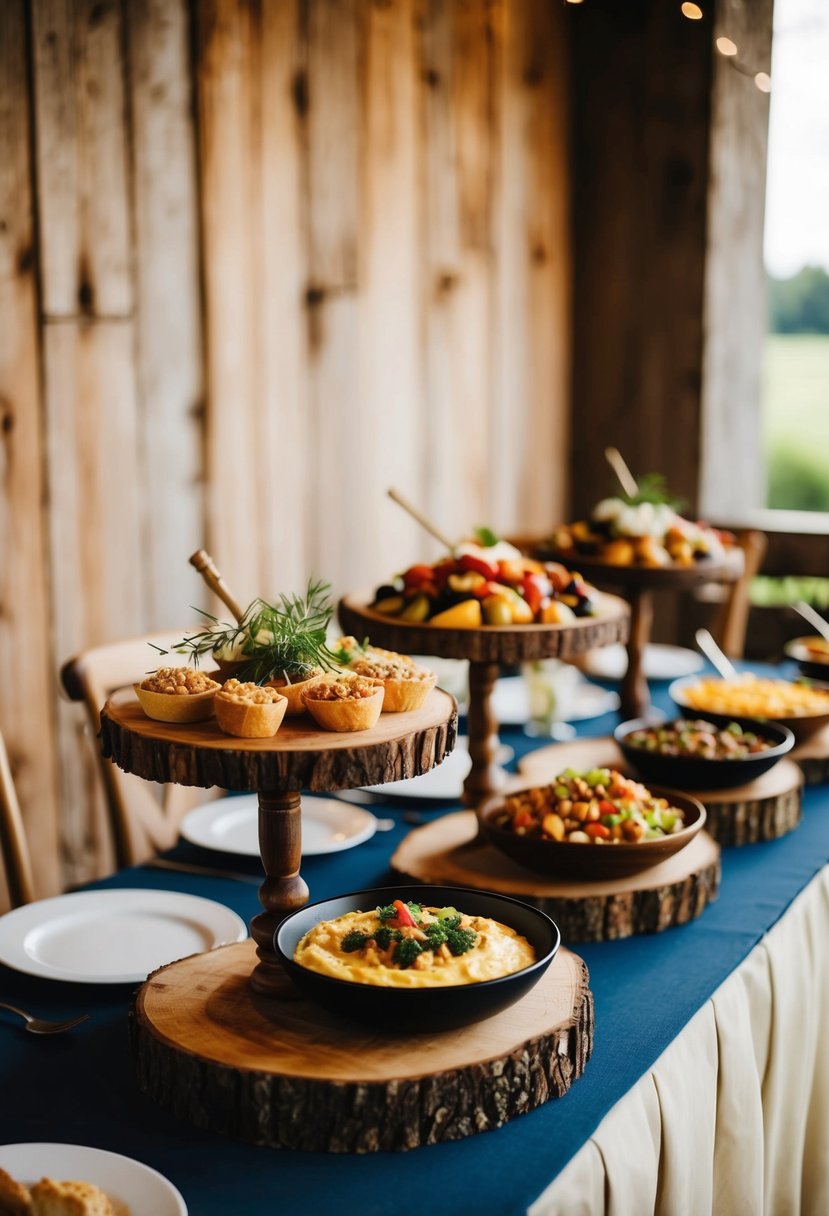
[[708, 1089]]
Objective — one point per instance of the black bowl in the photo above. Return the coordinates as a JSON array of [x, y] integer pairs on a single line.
[[591, 862], [697, 772], [813, 665], [391, 1010], [802, 726]]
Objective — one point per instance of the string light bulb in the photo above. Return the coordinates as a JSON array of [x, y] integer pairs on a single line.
[[692, 11], [763, 82], [726, 47]]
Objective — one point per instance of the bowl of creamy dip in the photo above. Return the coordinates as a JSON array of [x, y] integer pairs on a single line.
[[416, 958]]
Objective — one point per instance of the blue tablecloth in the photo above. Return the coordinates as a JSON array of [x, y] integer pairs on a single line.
[[80, 1087]]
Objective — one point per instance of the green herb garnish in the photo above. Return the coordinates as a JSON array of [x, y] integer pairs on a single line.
[[653, 488], [485, 537], [286, 639]]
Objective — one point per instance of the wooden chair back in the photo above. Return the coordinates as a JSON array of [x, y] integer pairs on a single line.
[[144, 818], [13, 846]]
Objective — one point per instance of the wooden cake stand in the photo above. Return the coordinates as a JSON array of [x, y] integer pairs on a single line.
[[488, 649], [298, 757], [812, 755], [764, 809], [288, 1074], [637, 584]]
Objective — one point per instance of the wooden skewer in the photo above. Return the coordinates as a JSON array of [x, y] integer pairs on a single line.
[[421, 519], [626, 479], [206, 567]]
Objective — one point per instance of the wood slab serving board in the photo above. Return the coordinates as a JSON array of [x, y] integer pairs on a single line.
[[280, 1071], [764, 809], [298, 756], [449, 851]]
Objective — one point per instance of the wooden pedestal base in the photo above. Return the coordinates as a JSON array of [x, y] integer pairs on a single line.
[[449, 851], [284, 1073], [765, 809]]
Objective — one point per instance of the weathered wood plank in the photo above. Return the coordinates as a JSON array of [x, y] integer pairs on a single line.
[[95, 526], [331, 146], [168, 314], [531, 339], [229, 131], [26, 656], [457, 76], [732, 469], [287, 482], [390, 391], [85, 230], [641, 83]]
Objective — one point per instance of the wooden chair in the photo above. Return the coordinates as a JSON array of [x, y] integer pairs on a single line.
[[730, 628], [14, 849], [144, 818]]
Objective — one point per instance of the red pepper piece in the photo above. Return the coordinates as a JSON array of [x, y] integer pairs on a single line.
[[416, 576], [478, 565], [597, 830], [404, 916]]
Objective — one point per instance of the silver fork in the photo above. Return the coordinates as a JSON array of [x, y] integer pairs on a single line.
[[41, 1025]]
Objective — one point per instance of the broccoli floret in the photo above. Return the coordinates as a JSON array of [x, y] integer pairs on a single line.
[[461, 940], [355, 940], [387, 913], [407, 951], [385, 936], [452, 921], [436, 934]]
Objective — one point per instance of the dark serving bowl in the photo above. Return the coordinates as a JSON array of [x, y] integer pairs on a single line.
[[802, 726], [392, 1010], [811, 663], [592, 862], [698, 772]]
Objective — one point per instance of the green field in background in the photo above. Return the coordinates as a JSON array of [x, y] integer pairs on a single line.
[[795, 412]]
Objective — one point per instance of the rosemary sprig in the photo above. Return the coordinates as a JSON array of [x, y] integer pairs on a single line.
[[653, 488], [286, 639]]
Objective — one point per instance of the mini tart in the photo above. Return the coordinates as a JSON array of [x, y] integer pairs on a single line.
[[177, 706], [249, 711], [345, 702], [406, 685], [293, 693]]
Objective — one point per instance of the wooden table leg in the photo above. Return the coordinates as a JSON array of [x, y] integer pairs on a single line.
[[283, 891], [486, 775], [635, 694]]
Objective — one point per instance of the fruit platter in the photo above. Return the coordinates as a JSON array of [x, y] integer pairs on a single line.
[[488, 603]]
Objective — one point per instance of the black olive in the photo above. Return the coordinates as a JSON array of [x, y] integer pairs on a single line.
[[385, 592]]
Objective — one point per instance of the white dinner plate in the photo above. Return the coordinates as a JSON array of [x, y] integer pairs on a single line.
[[131, 1186], [231, 825], [442, 783], [113, 936], [661, 662], [511, 701]]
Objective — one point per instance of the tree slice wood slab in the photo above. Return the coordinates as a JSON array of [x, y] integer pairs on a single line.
[[284, 1073], [298, 756], [813, 757], [505, 645], [671, 893], [764, 809]]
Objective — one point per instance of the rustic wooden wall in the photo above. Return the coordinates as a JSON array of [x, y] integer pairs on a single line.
[[258, 262]]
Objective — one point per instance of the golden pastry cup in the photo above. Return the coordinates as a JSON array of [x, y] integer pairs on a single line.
[[403, 695], [247, 719], [356, 713], [294, 693], [176, 706]]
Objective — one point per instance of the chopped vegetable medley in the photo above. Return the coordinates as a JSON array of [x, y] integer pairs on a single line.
[[596, 807], [699, 738], [404, 932]]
